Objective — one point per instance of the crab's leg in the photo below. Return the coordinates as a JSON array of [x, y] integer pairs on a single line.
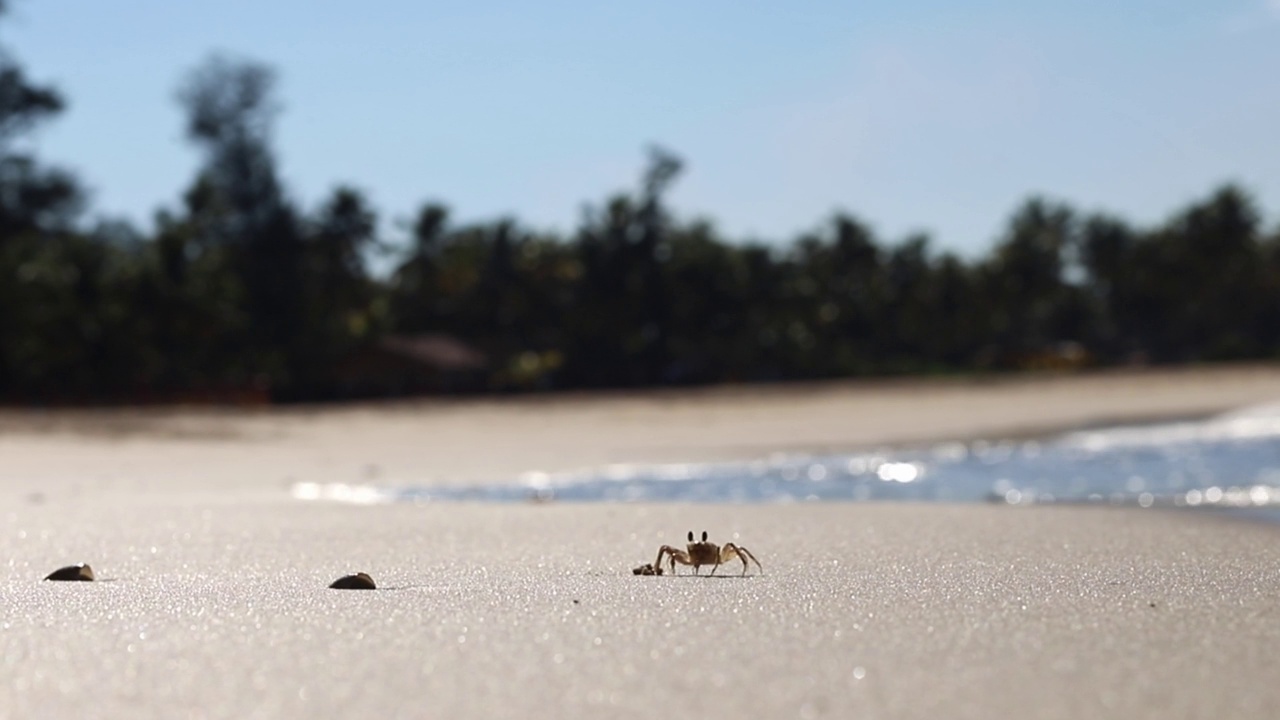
[[674, 555], [724, 555], [682, 557], [742, 554], [661, 552]]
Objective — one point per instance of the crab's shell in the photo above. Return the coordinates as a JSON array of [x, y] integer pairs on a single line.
[[704, 553]]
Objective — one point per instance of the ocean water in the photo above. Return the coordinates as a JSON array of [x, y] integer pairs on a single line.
[[1226, 462]]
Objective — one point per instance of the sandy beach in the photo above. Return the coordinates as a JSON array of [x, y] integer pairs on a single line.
[[211, 600]]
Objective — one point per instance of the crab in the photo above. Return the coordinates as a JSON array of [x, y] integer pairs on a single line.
[[702, 553]]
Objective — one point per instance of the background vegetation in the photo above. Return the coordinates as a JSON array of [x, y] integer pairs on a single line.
[[240, 289]]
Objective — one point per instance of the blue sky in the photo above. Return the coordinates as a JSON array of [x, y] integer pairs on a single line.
[[916, 115]]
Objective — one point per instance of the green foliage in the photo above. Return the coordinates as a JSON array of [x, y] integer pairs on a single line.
[[239, 291]]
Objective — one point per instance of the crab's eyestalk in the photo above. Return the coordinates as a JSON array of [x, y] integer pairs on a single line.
[[704, 536], [690, 536]]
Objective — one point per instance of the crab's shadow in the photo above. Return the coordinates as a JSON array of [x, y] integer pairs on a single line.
[[713, 577]]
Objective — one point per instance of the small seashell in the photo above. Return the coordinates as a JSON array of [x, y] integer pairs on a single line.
[[646, 569], [82, 573], [359, 581]]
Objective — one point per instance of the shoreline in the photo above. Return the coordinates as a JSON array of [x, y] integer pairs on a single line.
[[496, 440]]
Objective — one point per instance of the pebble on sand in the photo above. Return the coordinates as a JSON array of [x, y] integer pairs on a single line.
[[82, 573], [359, 581]]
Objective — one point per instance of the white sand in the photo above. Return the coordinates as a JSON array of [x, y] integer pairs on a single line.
[[883, 611], [215, 602]]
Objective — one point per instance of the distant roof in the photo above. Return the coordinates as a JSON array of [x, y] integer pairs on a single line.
[[443, 351]]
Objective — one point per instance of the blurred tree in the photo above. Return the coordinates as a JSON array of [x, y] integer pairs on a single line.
[[415, 285], [1107, 257], [651, 249], [621, 323], [961, 322], [707, 286], [45, 271], [914, 342], [1025, 281], [32, 198], [837, 298], [22, 105], [241, 207], [1213, 290], [340, 314], [602, 326]]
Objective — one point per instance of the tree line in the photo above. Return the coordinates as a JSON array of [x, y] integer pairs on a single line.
[[241, 288]]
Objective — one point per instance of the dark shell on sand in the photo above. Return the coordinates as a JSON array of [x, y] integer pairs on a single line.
[[359, 581], [646, 569], [81, 573]]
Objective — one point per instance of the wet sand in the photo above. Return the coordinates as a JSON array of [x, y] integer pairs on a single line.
[[212, 599]]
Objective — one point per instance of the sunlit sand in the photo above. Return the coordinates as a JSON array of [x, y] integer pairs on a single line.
[[211, 596]]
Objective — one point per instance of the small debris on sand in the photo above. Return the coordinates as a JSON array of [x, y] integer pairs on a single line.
[[74, 573], [359, 581]]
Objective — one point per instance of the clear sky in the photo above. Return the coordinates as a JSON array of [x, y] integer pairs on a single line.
[[928, 115]]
